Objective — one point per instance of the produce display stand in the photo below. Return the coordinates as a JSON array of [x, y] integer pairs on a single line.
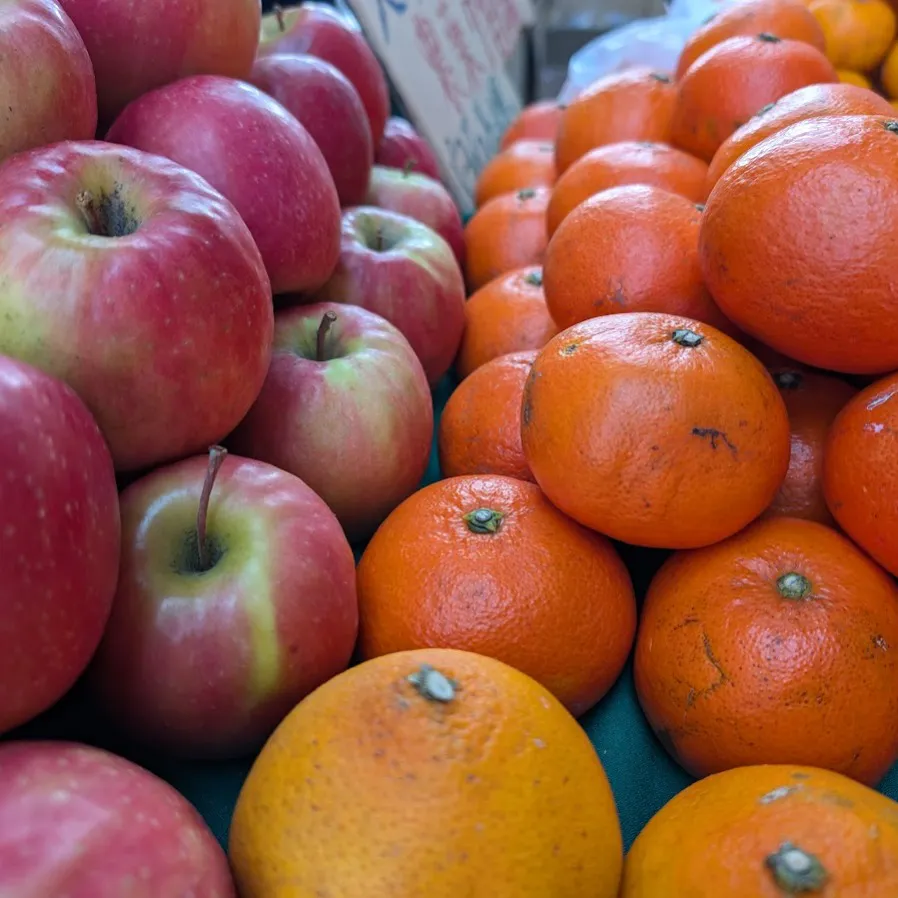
[[642, 774]]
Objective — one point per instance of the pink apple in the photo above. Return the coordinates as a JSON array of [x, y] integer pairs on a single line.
[[46, 79], [79, 822], [319, 30], [422, 198], [328, 106], [346, 407], [403, 147], [59, 540], [132, 280], [404, 271], [138, 45], [248, 147], [236, 598]]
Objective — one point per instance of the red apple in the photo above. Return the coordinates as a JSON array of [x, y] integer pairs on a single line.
[[132, 280], [422, 198], [236, 598], [346, 406], [46, 79], [403, 270], [59, 540], [138, 45], [248, 147], [403, 147], [328, 106], [319, 30], [79, 822]]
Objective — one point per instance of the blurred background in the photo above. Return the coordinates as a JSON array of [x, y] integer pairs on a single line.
[[562, 27]]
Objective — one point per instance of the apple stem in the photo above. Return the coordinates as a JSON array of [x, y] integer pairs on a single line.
[[279, 17], [379, 240], [409, 167], [87, 206], [216, 457], [323, 330]]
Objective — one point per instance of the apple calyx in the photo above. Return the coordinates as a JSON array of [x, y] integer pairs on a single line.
[[216, 458], [278, 11], [107, 215], [327, 322]]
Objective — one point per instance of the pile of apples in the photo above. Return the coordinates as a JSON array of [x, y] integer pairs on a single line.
[[228, 281]]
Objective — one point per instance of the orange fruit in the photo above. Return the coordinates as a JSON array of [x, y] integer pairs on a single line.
[[508, 314], [628, 249], [489, 565], [860, 479], [527, 163], [537, 121], [406, 776], [654, 429], [726, 86], [815, 101], [812, 400], [809, 216], [889, 74], [480, 428], [789, 19], [636, 104], [628, 162], [768, 832], [505, 233], [776, 646], [846, 76], [858, 32]]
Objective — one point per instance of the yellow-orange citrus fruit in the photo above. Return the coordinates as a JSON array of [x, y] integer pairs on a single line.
[[432, 773]]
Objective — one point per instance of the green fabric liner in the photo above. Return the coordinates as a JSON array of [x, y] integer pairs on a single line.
[[642, 775]]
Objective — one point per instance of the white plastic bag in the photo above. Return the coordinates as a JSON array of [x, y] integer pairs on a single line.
[[655, 42]]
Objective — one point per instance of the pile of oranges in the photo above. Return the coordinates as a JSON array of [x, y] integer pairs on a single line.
[[682, 335]]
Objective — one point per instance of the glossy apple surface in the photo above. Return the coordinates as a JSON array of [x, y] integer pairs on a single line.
[[329, 108], [132, 280], [420, 197], [79, 822], [203, 656], [319, 30], [346, 406], [46, 78], [138, 45], [253, 151], [59, 540], [403, 147], [405, 272]]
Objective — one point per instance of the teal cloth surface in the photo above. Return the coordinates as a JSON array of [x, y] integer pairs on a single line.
[[642, 775]]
